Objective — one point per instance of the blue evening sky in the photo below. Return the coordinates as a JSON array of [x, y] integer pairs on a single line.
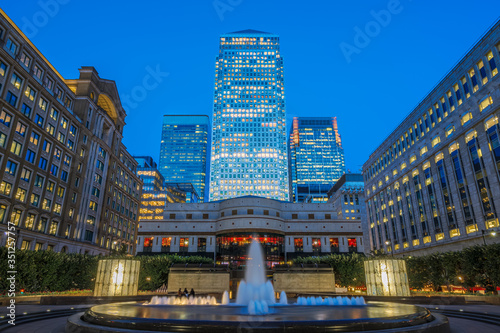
[[370, 90]]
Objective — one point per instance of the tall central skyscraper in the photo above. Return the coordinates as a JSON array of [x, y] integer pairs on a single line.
[[249, 143]]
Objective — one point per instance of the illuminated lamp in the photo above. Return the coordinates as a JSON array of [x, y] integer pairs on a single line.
[[386, 277], [117, 277]]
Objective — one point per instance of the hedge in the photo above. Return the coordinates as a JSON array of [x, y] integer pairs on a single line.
[[39, 271]]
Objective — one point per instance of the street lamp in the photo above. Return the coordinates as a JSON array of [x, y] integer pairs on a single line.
[[387, 244], [492, 233]]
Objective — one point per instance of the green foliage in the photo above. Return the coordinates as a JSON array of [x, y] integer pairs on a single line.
[[348, 268], [47, 271], [476, 265]]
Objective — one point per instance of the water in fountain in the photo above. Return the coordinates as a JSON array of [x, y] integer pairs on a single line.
[[344, 301], [283, 298], [255, 292], [174, 300], [225, 298]]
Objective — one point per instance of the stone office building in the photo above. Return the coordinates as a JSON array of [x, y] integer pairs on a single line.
[[68, 183], [434, 183], [224, 229]]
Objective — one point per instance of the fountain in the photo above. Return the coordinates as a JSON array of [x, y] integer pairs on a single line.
[[256, 310]]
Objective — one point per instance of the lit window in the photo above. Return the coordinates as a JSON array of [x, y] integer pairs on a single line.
[[413, 158], [465, 118], [482, 72], [423, 150], [436, 140], [485, 103], [491, 121], [449, 130], [493, 65]]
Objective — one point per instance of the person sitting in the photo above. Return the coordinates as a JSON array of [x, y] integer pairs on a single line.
[[186, 293], [191, 293], [179, 293]]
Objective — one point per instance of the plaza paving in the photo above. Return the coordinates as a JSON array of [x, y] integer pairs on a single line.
[[57, 325]]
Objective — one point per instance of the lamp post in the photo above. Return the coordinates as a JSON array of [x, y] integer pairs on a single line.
[[492, 233], [387, 244]]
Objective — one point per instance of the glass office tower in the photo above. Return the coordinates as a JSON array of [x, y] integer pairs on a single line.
[[249, 149], [183, 151], [316, 158]]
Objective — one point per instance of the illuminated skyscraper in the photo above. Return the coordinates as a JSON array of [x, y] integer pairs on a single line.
[[183, 151], [316, 158], [249, 150]]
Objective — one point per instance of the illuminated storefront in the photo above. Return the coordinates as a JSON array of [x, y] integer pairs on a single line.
[[233, 247]]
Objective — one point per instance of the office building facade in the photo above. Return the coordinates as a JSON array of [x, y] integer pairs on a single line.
[[223, 230], [183, 151], [316, 158], [434, 183], [68, 183], [249, 148]]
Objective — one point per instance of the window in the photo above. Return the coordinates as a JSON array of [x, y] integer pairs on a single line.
[[10, 168], [26, 175], [184, 245], [39, 120], [64, 122], [485, 103], [35, 200], [352, 244], [16, 81], [493, 65], [21, 194], [67, 102], [54, 170], [316, 245], [46, 146], [34, 138], [93, 205], [328, 216], [435, 140], [21, 129], [5, 118], [298, 244], [3, 139], [50, 129], [46, 204], [39, 181], [15, 217], [26, 110], [67, 160], [5, 188], [57, 153], [64, 176], [25, 60], [57, 209], [30, 93], [482, 72], [42, 104], [30, 221], [3, 68], [98, 178], [61, 137], [473, 79], [53, 227], [202, 245], [37, 72], [148, 244], [11, 99], [11, 46], [310, 216], [70, 144], [165, 244], [16, 148], [96, 192], [423, 150], [54, 114], [3, 209], [42, 225], [42, 164], [58, 92], [50, 186], [334, 245], [465, 118], [100, 165], [295, 216], [48, 83]]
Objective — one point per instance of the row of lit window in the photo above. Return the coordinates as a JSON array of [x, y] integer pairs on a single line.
[[440, 111]]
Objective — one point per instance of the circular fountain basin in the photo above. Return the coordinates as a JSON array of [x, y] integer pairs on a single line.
[[376, 316]]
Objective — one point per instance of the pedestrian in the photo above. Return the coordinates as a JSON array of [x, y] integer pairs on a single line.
[[191, 293]]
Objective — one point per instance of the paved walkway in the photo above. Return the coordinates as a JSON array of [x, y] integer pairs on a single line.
[[57, 325]]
